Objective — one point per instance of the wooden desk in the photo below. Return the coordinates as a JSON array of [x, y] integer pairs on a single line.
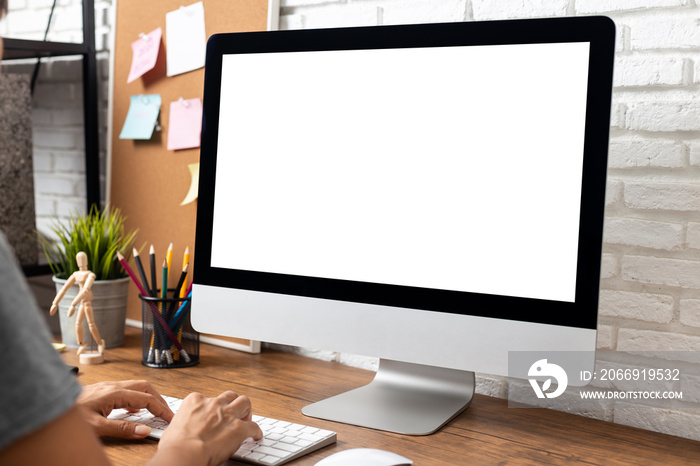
[[280, 384]]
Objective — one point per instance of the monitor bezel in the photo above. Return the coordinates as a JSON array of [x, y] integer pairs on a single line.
[[582, 313]]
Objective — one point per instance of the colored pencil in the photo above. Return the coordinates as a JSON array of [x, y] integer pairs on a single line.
[[178, 314], [185, 261], [164, 346], [151, 355], [155, 312], [174, 321], [181, 319], [154, 289], [164, 285], [181, 282], [169, 256], [139, 265]]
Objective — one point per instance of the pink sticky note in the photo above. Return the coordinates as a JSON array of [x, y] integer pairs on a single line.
[[185, 124], [145, 54]]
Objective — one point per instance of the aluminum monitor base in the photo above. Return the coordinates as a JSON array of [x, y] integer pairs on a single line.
[[405, 398]]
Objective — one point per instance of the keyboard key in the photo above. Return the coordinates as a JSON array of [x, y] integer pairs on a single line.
[[254, 456], [288, 447], [311, 437], [272, 451]]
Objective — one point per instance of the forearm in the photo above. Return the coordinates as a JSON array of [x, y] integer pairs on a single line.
[[67, 440], [191, 454]]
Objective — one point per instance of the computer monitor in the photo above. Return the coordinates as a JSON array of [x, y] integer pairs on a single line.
[[431, 195]]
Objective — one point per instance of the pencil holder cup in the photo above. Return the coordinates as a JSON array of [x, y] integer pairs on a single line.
[[169, 341]]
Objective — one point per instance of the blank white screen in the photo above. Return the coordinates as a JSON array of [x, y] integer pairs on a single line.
[[452, 168]]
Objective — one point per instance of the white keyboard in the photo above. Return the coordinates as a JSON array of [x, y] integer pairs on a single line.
[[282, 442]]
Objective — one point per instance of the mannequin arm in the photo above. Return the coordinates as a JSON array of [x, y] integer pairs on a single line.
[[61, 293]]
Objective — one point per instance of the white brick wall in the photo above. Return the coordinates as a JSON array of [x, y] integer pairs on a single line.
[[584, 7], [675, 273], [650, 69], [633, 339], [673, 196], [650, 279], [504, 9], [28, 20], [645, 152], [690, 314], [606, 337], [694, 147], [664, 116], [663, 29], [644, 233], [693, 235], [57, 114], [645, 307]]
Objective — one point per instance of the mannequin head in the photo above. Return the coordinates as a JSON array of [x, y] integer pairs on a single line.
[[81, 259]]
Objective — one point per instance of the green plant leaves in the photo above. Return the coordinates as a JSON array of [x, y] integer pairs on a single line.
[[99, 234]]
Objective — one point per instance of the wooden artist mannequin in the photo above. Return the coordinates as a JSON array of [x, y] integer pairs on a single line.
[[84, 278]]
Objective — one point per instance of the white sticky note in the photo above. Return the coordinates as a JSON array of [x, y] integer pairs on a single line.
[[186, 40]]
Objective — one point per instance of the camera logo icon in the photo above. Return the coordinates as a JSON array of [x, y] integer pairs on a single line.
[[552, 372]]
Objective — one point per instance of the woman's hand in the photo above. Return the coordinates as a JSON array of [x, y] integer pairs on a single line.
[[207, 430], [97, 401]]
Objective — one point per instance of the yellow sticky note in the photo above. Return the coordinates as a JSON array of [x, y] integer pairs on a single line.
[[194, 184], [59, 346]]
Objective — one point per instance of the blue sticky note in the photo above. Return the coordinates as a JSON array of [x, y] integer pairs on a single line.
[[142, 117]]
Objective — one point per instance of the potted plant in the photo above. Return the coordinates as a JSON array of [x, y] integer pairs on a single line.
[[100, 235]]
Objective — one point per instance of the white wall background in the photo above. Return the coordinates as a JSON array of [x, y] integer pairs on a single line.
[[650, 298]]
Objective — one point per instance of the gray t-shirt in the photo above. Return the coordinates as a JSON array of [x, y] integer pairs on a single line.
[[36, 386]]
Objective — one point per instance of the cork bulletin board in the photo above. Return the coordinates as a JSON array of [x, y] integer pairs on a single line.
[[145, 179]]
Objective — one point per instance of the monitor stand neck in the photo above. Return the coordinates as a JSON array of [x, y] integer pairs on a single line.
[[406, 398]]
